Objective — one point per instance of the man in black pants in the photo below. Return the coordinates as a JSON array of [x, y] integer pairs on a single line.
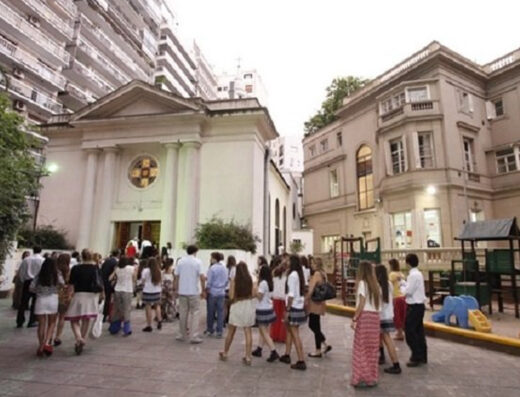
[[414, 327], [29, 269]]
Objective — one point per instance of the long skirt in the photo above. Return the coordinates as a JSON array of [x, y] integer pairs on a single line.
[[399, 312], [278, 330], [365, 355]]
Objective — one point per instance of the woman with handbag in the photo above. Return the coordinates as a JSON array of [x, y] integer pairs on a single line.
[[86, 286], [316, 309]]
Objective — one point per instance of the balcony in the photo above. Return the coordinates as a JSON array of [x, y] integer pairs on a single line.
[[176, 51], [130, 29], [105, 64], [88, 78], [23, 31], [42, 103], [171, 82], [410, 110], [66, 7], [19, 56], [166, 61], [53, 22], [124, 60], [148, 8], [75, 97]]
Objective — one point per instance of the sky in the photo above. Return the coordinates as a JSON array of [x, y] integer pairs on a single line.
[[298, 47]]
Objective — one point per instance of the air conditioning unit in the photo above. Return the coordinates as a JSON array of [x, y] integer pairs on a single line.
[[18, 73], [34, 21], [19, 105]]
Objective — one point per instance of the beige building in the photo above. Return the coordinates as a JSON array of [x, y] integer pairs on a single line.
[[430, 144], [143, 162]]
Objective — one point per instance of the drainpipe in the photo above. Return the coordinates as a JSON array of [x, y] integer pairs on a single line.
[[267, 159]]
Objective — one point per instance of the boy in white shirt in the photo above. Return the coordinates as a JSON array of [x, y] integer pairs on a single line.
[[414, 329]]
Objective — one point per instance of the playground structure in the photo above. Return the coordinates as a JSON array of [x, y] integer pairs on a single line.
[[500, 273], [466, 311], [348, 252]]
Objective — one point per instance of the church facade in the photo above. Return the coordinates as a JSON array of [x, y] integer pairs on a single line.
[[142, 162]]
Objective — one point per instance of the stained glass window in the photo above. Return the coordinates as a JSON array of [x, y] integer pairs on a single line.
[[143, 171]]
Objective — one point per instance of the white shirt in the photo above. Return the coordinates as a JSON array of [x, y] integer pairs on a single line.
[[232, 273], [149, 287], [293, 282], [307, 275], [73, 262], [265, 303], [35, 265], [188, 271], [414, 290], [125, 282], [279, 287], [362, 291], [387, 309]]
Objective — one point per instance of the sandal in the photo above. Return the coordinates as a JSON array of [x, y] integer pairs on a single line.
[[57, 342], [311, 355], [246, 361], [327, 349], [47, 349], [222, 356]]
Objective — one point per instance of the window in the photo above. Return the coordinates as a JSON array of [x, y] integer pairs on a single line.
[[281, 150], [506, 160], [365, 178], [327, 242], [393, 102], [249, 88], [280, 161], [339, 139], [397, 156], [248, 76], [432, 225], [334, 183], [143, 171], [469, 155], [402, 230], [499, 107], [294, 211], [324, 145], [424, 150], [465, 102], [312, 150], [417, 94], [219, 89], [476, 215]]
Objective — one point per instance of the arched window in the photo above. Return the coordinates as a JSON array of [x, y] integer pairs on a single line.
[[365, 178], [285, 228], [277, 233]]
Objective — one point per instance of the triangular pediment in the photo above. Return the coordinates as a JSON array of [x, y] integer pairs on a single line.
[[136, 99]]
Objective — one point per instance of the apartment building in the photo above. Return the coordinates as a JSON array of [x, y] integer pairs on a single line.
[[245, 83], [61, 55], [428, 145]]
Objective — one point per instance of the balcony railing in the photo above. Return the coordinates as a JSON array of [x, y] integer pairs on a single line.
[[114, 48], [30, 62], [410, 109], [103, 60], [80, 93], [91, 75], [42, 10], [39, 38], [69, 6], [34, 95], [130, 27]]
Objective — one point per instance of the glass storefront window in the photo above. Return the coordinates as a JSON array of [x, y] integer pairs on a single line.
[[402, 230], [432, 225]]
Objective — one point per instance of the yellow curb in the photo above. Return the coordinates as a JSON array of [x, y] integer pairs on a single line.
[[492, 338]]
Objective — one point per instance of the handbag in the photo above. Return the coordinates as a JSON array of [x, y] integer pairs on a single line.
[[323, 292], [97, 283], [97, 328]]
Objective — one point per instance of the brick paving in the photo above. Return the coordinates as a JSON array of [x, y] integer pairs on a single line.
[[156, 365]]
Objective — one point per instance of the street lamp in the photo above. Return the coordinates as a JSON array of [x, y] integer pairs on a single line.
[[431, 190]]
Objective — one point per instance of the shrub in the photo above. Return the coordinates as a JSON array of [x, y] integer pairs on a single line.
[[219, 234], [44, 236], [296, 247]]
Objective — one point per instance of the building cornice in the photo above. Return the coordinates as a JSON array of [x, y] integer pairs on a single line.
[[324, 164]]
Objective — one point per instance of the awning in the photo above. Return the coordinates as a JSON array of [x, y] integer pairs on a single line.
[[496, 229]]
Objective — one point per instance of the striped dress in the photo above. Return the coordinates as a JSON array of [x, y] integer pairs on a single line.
[[365, 354]]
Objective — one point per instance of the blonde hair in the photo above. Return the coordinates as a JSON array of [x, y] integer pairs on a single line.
[[366, 273]]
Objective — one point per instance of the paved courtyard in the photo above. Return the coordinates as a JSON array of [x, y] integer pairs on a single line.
[[156, 365]]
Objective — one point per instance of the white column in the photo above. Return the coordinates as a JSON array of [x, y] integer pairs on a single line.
[[169, 200], [102, 238], [85, 221], [187, 193]]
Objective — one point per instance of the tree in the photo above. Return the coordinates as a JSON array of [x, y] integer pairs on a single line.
[[296, 247], [19, 174], [218, 234], [44, 236], [340, 88]]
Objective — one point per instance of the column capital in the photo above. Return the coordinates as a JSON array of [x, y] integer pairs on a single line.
[[93, 150], [192, 144], [111, 149], [172, 145]]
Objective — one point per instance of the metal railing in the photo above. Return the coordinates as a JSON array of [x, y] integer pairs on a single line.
[[103, 60], [90, 74], [39, 38], [69, 6], [34, 95], [31, 62], [43, 11]]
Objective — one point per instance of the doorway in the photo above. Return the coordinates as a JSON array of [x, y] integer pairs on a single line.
[[143, 230]]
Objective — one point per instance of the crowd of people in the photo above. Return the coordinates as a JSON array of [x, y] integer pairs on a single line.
[[277, 298]]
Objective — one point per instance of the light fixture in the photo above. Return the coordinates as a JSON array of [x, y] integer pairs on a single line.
[[52, 168], [431, 190]]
